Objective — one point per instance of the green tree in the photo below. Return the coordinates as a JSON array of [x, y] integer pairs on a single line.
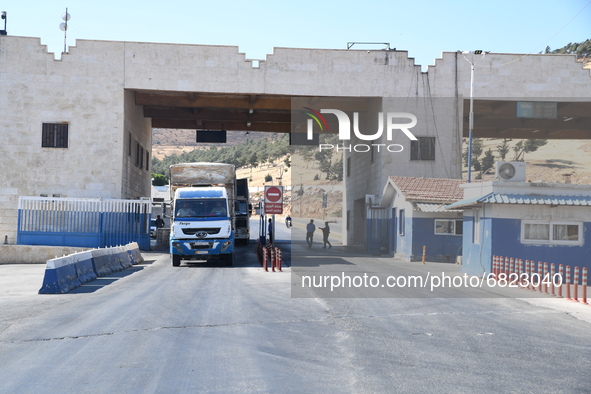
[[324, 158], [503, 148], [159, 180], [477, 149], [527, 146], [268, 178], [488, 161], [253, 160], [582, 49], [336, 170]]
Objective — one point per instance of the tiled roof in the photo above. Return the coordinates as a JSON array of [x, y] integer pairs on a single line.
[[429, 189]]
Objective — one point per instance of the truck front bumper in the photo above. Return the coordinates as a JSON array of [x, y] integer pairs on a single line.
[[201, 247]]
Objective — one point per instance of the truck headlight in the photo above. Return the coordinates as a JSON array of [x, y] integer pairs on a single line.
[[177, 246], [226, 245]]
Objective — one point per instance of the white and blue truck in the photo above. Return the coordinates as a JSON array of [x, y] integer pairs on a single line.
[[204, 216]]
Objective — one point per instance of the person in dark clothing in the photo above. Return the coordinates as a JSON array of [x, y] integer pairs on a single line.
[[159, 222], [270, 231], [325, 233], [310, 228]]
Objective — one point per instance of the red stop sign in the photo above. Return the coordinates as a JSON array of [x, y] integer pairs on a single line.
[[273, 194]]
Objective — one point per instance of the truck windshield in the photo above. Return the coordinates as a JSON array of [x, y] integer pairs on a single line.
[[201, 208]]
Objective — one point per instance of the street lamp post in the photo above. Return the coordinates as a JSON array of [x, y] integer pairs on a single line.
[[472, 62]]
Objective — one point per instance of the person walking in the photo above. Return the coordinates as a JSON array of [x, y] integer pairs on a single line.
[[310, 228], [325, 233], [270, 231]]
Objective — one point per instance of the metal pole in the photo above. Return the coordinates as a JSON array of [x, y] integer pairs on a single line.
[[273, 228], [471, 122], [66, 29]]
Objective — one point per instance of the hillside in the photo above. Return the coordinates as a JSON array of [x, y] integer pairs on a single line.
[[558, 161], [550, 163], [166, 142], [555, 162]]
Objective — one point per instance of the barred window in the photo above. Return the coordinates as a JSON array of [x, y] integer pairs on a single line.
[[54, 135], [423, 148]]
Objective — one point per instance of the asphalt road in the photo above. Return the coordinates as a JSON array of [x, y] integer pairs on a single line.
[[201, 328]]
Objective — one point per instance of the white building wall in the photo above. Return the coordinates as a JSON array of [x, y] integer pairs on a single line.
[[89, 89]]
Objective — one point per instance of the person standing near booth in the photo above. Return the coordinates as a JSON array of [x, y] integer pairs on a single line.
[[310, 228]]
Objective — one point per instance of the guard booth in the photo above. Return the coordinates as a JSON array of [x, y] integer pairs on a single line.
[[83, 222]]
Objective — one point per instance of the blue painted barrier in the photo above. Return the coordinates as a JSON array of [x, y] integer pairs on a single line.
[[124, 257], [84, 268], [100, 258], [60, 276], [66, 273]]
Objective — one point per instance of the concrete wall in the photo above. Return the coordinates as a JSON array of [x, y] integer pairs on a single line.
[[440, 247], [28, 254], [86, 90], [90, 89], [137, 140]]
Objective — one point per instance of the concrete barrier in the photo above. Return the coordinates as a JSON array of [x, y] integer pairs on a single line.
[[134, 251], [60, 276], [124, 257], [63, 274], [84, 267], [101, 262]]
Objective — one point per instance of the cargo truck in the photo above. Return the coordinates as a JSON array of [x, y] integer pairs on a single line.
[[243, 210], [203, 226]]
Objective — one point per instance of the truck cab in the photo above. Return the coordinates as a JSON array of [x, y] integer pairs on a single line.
[[202, 225]]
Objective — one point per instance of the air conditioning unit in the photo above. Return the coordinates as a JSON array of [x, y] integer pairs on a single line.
[[510, 171]]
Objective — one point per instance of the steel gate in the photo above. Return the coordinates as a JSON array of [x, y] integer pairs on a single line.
[[83, 222]]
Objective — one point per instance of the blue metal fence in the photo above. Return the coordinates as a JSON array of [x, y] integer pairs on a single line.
[[83, 222]]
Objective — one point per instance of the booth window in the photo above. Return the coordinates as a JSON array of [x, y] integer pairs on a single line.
[[551, 233], [448, 227]]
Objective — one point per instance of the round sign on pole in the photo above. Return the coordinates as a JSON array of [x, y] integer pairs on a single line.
[[273, 200], [273, 194]]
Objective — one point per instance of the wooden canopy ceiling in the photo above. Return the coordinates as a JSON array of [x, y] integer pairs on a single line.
[[206, 111], [272, 113], [498, 119]]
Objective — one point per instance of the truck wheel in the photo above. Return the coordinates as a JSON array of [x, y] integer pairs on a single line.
[[176, 260]]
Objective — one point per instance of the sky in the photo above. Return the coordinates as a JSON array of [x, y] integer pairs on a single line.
[[423, 28]]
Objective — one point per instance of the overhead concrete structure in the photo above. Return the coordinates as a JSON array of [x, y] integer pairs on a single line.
[[81, 126]]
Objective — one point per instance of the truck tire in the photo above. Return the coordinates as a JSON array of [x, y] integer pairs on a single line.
[[176, 260], [229, 259]]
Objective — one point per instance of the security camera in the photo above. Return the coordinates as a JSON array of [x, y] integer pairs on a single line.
[[3, 14]]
